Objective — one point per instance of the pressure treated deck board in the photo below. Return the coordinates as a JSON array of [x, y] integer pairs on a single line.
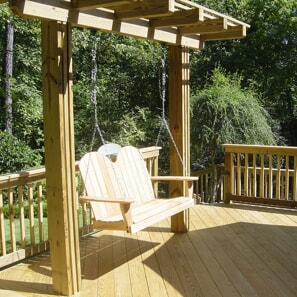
[[212, 255], [168, 273], [230, 250], [250, 263], [229, 238], [152, 269], [260, 239]]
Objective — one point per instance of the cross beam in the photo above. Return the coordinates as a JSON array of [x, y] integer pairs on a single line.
[[173, 22]]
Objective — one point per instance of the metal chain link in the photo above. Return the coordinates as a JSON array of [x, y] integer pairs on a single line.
[[163, 121], [94, 93]]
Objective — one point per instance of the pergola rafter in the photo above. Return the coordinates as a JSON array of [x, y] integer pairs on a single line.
[[176, 22]]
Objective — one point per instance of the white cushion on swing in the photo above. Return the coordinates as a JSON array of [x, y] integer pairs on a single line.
[[109, 149]]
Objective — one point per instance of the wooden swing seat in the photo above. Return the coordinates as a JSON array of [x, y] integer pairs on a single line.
[[121, 193]]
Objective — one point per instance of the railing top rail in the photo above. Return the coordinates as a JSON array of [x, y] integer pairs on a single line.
[[260, 149], [22, 178], [150, 152]]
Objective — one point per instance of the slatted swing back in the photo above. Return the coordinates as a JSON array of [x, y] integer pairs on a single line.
[[127, 177], [96, 170]]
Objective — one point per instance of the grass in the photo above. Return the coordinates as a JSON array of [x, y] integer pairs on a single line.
[[17, 229], [27, 232]]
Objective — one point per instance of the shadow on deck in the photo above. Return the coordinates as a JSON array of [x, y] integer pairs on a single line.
[[231, 250]]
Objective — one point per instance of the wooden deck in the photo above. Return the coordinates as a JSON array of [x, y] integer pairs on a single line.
[[231, 250]]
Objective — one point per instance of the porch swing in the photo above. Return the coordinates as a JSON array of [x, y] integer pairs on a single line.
[[120, 190]]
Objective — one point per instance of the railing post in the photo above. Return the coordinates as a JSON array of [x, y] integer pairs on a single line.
[[228, 176]]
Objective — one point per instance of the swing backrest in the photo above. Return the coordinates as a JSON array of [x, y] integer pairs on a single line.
[[126, 178], [134, 176], [95, 171]]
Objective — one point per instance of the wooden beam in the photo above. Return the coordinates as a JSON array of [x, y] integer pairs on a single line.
[[178, 18], [101, 20], [206, 27], [179, 119], [59, 157], [91, 4], [145, 9], [232, 33]]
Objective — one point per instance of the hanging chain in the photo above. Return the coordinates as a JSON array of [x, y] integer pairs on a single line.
[[94, 92], [94, 101], [162, 92]]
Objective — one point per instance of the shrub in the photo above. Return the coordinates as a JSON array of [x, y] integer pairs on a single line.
[[16, 155]]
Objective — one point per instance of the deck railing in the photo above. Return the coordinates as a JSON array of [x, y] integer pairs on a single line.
[[204, 186], [261, 174], [257, 174], [23, 211]]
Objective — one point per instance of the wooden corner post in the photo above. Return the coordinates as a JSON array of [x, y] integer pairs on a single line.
[[228, 175], [59, 157], [179, 123]]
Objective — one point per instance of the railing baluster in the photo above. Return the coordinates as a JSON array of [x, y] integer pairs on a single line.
[[31, 213], [254, 175], [262, 176], [278, 178], [287, 180], [294, 190], [201, 179], [22, 216], [270, 182], [2, 226], [205, 187], [11, 219], [238, 182], [40, 212], [246, 174]]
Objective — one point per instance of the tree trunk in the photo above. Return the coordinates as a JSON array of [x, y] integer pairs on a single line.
[[8, 76]]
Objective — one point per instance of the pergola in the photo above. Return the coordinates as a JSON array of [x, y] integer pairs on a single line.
[[181, 24]]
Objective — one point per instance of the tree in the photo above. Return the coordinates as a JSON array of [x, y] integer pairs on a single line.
[[8, 76], [127, 88], [225, 113], [26, 94], [266, 56]]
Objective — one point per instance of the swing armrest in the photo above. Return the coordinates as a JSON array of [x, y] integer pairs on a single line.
[[187, 179], [176, 178], [125, 205], [99, 199]]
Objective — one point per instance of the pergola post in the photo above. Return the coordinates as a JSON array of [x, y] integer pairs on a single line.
[[59, 157], [179, 123]]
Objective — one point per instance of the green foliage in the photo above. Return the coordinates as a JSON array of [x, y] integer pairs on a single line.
[[16, 210], [16, 155], [266, 56], [127, 89], [26, 87], [225, 113]]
